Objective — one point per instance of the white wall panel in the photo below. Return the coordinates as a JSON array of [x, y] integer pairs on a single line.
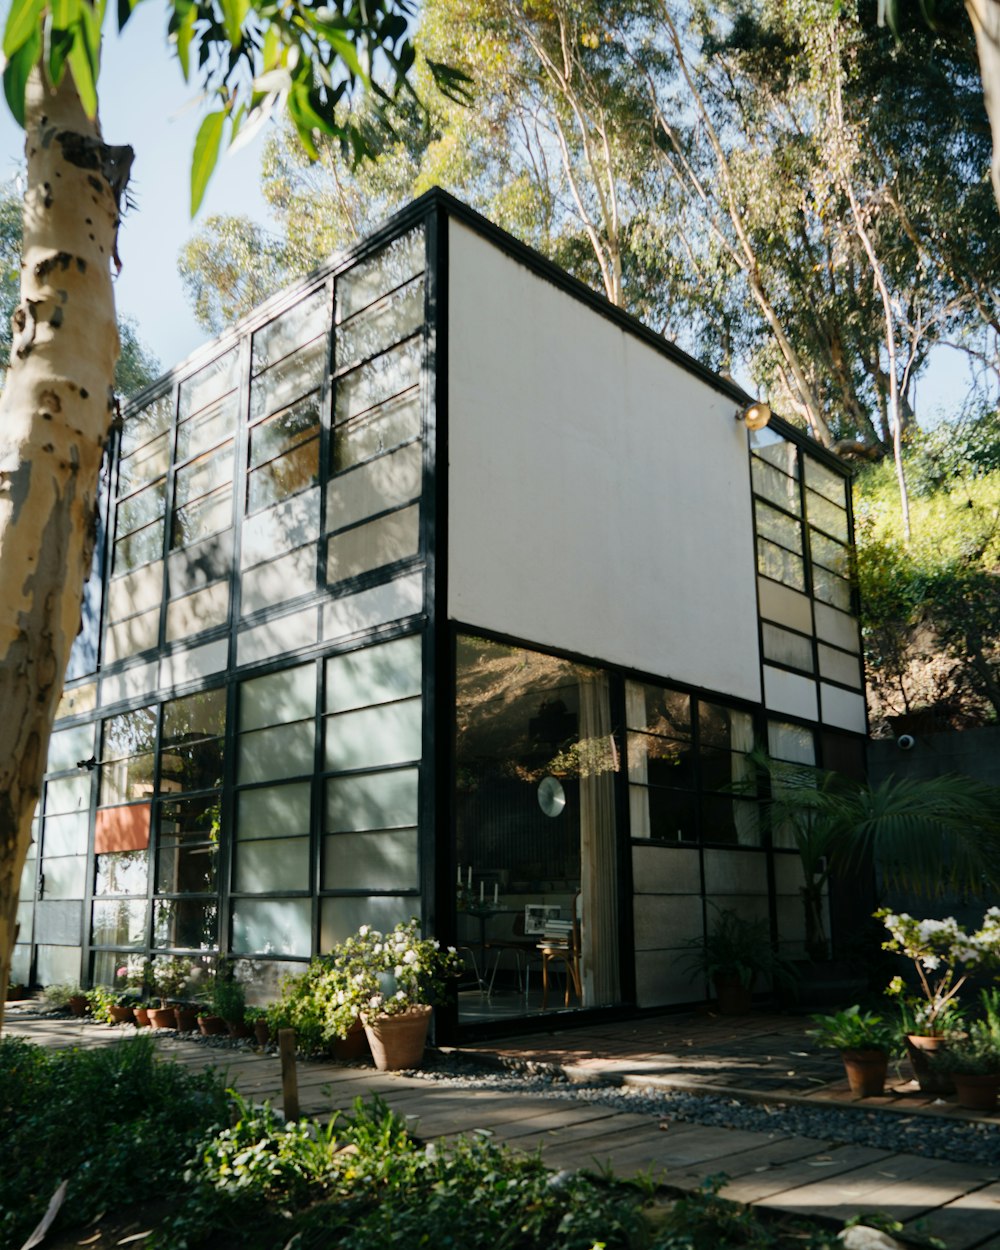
[[599, 493], [785, 692], [843, 709]]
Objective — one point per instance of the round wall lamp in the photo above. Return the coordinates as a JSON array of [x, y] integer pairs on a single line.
[[551, 796], [756, 416]]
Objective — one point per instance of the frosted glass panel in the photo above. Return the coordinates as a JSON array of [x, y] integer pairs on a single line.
[[20, 968], [275, 811], [790, 742], [378, 605], [289, 524], [208, 383], [374, 674], [342, 917], [839, 666], [373, 801], [136, 592], [836, 627], [208, 428], [67, 746], [377, 432], [283, 751], [68, 794], [55, 965], [66, 835], [787, 648], [262, 867], [295, 376], [139, 633], [381, 542], [373, 861], [280, 636], [380, 484], [278, 697], [284, 578], [280, 926], [388, 734], [65, 877], [776, 486], [205, 609], [139, 427]]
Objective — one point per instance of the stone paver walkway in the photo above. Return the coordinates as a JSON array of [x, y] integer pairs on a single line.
[[765, 1057]]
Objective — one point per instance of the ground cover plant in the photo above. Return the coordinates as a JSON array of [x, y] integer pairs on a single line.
[[115, 1123]]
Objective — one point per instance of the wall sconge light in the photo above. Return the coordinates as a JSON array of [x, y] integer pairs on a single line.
[[756, 416]]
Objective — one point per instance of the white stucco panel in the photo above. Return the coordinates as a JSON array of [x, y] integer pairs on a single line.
[[599, 494]]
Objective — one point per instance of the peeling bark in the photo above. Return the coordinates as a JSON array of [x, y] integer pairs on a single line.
[[985, 18], [55, 412]]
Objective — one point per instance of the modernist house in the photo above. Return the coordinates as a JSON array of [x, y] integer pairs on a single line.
[[440, 587]]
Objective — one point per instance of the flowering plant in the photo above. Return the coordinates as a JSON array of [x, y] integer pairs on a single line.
[[389, 973], [937, 949]]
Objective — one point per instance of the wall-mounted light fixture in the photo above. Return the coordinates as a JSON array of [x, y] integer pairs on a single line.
[[755, 416]]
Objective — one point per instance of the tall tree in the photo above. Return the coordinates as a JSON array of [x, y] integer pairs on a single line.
[[305, 59]]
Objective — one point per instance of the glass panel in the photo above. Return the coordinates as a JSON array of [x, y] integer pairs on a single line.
[[65, 877], [787, 648], [660, 710], [391, 267], [308, 318], [771, 447], [125, 780], [138, 633], [776, 486], [673, 815], [68, 794], [119, 922], [382, 378], [139, 548], [826, 515], [136, 592], [142, 426], [663, 761], [264, 866], [66, 835], [283, 751], [389, 734], [341, 917], [68, 746], [278, 580], [204, 474], [836, 665], [288, 524], [279, 926], [199, 565], [55, 964], [283, 383], [825, 481], [791, 742], [197, 716], [209, 383], [296, 471], [837, 628], [278, 697], [194, 766], [830, 554], [129, 733], [205, 609], [381, 674], [265, 813], [729, 820], [208, 428], [140, 508], [372, 801], [831, 588], [371, 546], [190, 820], [284, 430], [779, 527], [377, 432], [206, 516], [122, 872], [396, 317], [185, 924], [183, 869], [782, 565], [371, 861], [144, 465], [375, 487], [724, 727]]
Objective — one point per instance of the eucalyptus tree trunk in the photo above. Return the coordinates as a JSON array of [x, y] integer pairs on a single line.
[[55, 413], [985, 17]]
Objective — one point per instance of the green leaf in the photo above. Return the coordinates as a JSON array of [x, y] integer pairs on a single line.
[[60, 46], [234, 14], [83, 67], [22, 21], [206, 155], [16, 71], [342, 46], [185, 33]]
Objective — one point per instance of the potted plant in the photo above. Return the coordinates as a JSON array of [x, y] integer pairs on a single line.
[[67, 996], [973, 1061], [256, 1020], [392, 980], [229, 1000], [186, 1017], [110, 1006], [864, 1041], [160, 1015], [943, 955], [733, 955]]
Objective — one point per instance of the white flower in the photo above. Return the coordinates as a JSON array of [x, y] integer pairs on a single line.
[[452, 950], [375, 1001], [398, 970], [400, 994], [364, 930], [410, 957]]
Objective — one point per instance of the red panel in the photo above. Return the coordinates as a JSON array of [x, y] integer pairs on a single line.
[[122, 828]]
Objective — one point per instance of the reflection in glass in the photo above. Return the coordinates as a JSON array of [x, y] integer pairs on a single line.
[[185, 924], [377, 432], [121, 872], [381, 325], [144, 465], [208, 428], [389, 268], [140, 547], [287, 475], [294, 377], [140, 508], [140, 427], [309, 318], [284, 430], [209, 383], [184, 869], [377, 381], [119, 922]]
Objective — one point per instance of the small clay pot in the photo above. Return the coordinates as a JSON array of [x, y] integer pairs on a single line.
[[211, 1026], [351, 1048], [977, 1092], [866, 1071], [186, 1018], [121, 1014], [239, 1028], [141, 1017], [77, 1005], [262, 1031], [162, 1018]]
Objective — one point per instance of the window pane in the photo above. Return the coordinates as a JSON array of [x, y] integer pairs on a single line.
[[389, 321], [775, 485], [724, 727], [138, 633], [186, 924], [264, 866], [193, 766], [830, 554], [382, 378], [373, 801], [837, 665], [375, 487], [206, 516], [135, 592], [283, 751], [284, 430], [377, 432], [780, 528], [372, 861], [791, 742], [283, 383], [209, 383], [205, 609], [129, 734], [826, 515], [198, 716], [208, 428], [125, 780], [138, 509], [279, 926], [68, 794], [787, 648], [730, 821], [139, 548], [309, 318], [275, 810], [122, 872], [389, 734], [67, 834], [831, 588], [374, 545], [390, 268], [771, 447], [278, 697], [144, 465], [825, 481], [291, 523], [68, 746], [782, 565], [204, 474], [65, 877], [659, 710], [295, 471], [119, 922], [374, 674], [183, 869], [662, 761], [142, 426], [673, 815]]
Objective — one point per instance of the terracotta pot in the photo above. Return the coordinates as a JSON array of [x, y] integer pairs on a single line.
[[210, 1026], [162, 1017], [77, 1005], [398, 1041], [866, 1071], [14, 992], [120, 1015], [262, 1031], [187, 1019], [351, 1048], [239, 1028], [977, 1092], [919, 1048], [733, 997], [141, 1017]]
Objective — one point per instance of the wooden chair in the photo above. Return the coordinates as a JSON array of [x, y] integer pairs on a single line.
[[562, 942]]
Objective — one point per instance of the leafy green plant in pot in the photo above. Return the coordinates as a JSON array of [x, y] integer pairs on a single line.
[[229, 1001], [865, 1042], [972, 1062], [734, 954]]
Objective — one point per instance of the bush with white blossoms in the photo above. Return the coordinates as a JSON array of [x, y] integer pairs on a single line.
[[390, 973], [944, 956]]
